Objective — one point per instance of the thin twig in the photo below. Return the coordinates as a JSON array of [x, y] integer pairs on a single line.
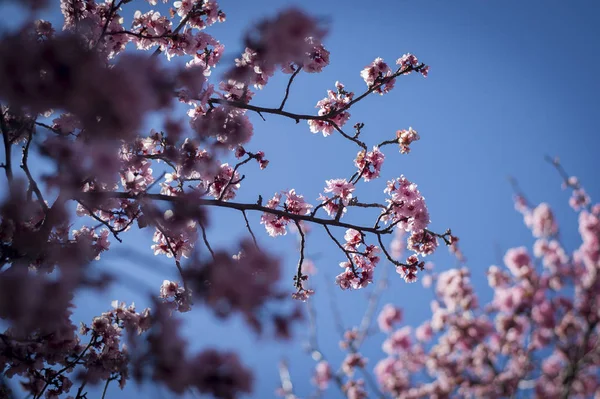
[[302, 243], [106, 386], [172, 250], [250, 230], [7, 147], [343, 250], [32, 183], [287, 89], [212, 253]]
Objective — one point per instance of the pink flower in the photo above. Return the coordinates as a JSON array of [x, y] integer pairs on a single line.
[[369, 164], [353, 238], [398, 342], [274, 224], [332, 105], [378, 73], [322, 375], [424, 332], [352, 361], [224, 185], [541, 221], [389, 316], [407, 61], [296, 204], [407, 205], [340, 188], [518, 262], [579, 199], [405, 139]]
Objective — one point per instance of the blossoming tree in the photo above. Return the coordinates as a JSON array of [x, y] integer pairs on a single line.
[[537, 338], [77, 100]]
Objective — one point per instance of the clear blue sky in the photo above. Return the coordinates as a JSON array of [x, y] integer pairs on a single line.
[[509, 83]]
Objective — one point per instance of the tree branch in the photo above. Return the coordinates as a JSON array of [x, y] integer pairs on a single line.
[[7, 147]]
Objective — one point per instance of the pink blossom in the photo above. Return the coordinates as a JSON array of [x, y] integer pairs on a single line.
[[355, 389], [405, 139], [323, 374], [224, 185], [518, 262], [407, 205], [407, 61], [389, 316], [424, 332], [296, 204], [398, 341], [541, 221], [340, 188], [579, 199], [369, 164], [379, 74], [352, 361], [334, 106], [274, 224]]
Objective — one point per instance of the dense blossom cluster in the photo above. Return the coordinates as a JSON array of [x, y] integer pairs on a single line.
[[76, 100], [538, 337]]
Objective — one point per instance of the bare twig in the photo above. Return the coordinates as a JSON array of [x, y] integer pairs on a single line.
[[250, 230], [7, 148], [212, 253], [32, 183], [302, 243], [343, 250], [287, 89]]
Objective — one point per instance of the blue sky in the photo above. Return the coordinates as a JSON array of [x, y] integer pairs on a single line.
[[509, 83]]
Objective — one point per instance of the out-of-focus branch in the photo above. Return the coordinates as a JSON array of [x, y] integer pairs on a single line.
[[32, 183], [205, 238], [7, 165], [250, 229]]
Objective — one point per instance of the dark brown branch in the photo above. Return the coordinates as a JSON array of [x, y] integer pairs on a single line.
[[287, 89], [68, 366], [106, 386], [302, 243], [235, 169], [7, 147], [32, 183], [326, 118], [387, 255], [177, 29], [231, 205], [109, 18], [212, 253], [172, 250], [343, 250], [101, 221], [250, 230], [387, 142]]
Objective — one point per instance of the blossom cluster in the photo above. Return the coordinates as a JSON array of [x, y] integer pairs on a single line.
[[537, 337], [76, 101]]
